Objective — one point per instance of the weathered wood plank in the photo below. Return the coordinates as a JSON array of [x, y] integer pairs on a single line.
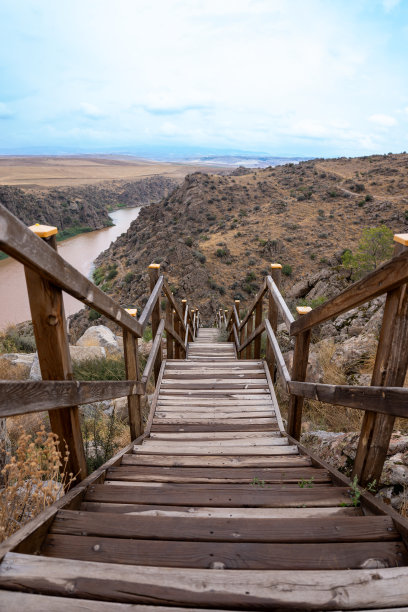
[[50, 331], [280, 303], [130, 347], [155, 291], [151, 360], [213, 529], [231, 555], [278, 357], [244, 588], [235, 495], [13, 601], [218, 475], [233, 426], [224, 513], [390, 400], [23, 397], [259, 462]]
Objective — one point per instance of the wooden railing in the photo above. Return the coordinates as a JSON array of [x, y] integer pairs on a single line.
[[381, 402], [47, 276]]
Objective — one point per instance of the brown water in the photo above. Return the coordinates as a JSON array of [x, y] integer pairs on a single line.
[[80, 251]]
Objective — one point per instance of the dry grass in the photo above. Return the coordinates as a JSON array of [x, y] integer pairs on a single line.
[[34, 478]]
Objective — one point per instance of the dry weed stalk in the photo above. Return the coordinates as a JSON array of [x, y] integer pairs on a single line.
[[34, 478]]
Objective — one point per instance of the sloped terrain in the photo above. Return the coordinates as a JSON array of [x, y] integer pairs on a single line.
[[215, 236]]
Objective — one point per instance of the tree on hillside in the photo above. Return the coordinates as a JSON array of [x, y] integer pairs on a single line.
[[375, 246]]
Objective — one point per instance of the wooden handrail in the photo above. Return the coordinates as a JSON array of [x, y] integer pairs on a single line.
[[387, 277], [280, 362], [236, 338], [151, 303], [257, 332], [280, 302], [170, 330], [173, 302], [253, 305], [236, 317], [23, 397], [153, 353], [385, 400], [23, 245]]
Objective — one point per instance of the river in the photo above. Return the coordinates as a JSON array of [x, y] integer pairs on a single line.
[[80, 251]]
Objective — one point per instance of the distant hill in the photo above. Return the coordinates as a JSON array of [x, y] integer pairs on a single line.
[[215, 236]]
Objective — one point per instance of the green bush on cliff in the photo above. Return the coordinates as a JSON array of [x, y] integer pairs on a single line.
[[375, 246]]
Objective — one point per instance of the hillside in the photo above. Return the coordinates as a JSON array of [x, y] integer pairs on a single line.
[[83, 207], [216, 235]]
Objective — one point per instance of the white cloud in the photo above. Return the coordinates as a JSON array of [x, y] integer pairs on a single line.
[[90, 110], [389, 5], [5, 111], [383, 120]]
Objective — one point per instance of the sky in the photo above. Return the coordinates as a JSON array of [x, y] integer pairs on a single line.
[[284, 77]]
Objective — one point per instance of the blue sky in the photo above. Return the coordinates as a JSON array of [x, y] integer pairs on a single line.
[[286, 77]]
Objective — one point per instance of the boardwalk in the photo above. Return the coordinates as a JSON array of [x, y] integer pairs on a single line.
[[210, 508]]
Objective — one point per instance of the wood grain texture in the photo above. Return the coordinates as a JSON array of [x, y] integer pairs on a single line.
[[211, 529], [233, 496], [50, 331], [244, 588], [23, 397]]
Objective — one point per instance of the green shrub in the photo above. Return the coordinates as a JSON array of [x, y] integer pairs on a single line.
[[375, 246], [188, 241], [287, 270], [129, 277], [98, 275], [368, 198], [93, 315], [200, 256], [111, 274], [221, 252]]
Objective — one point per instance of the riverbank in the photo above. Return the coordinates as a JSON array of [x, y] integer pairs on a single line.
[[80, 251]]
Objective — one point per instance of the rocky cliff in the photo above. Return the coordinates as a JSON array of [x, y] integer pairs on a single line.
[[215, 236], [83, 206]]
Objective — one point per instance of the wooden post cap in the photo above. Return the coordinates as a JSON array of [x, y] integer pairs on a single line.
[[303, 309], [276, 266], [154, 266], [43, 231], [132, 311], [401, 238], [237, 301], [184, 301]]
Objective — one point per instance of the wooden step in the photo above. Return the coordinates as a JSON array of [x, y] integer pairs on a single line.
[[257, 477], [209, 587], [215, 461], [212, 495]]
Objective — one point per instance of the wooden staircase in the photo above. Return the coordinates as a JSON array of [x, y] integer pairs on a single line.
[[215, 507], [215, 504]]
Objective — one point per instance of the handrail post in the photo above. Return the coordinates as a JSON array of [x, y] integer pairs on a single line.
[[154, 273], [48, 317], [131, 353], [176, 327], [273, 313], [185, 318], [249, 327], [258, 321], [169, 323], [237, 306], [390, 369], [299, 368]]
